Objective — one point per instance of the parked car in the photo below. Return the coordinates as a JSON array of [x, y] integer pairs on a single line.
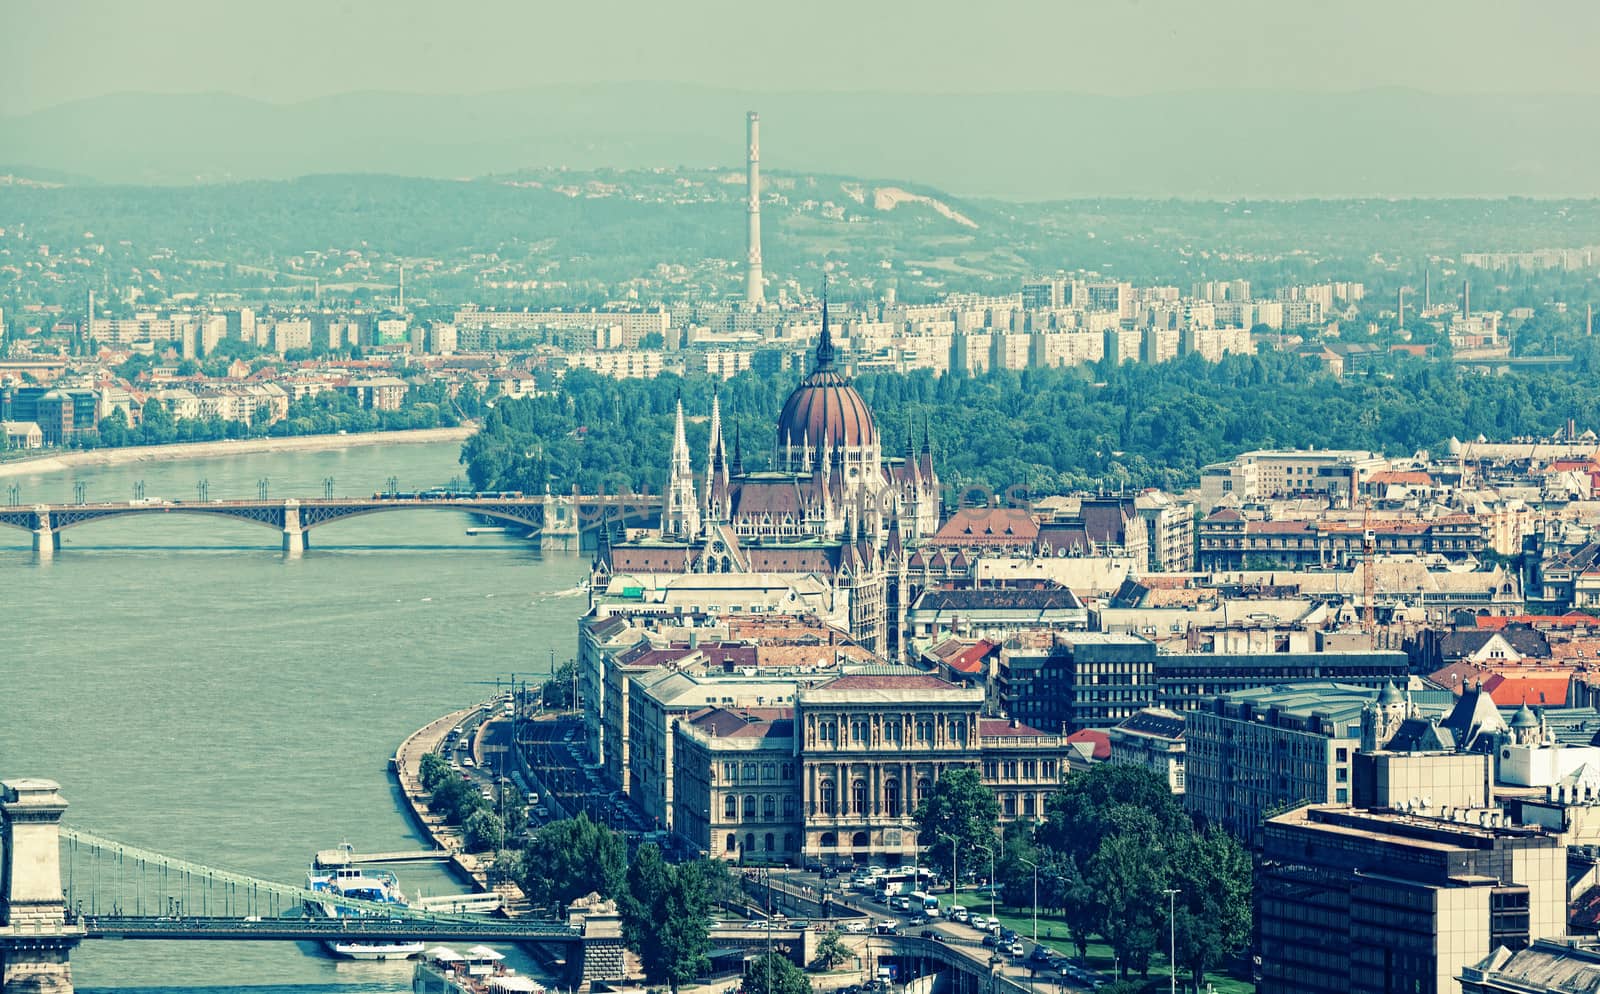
[[1016, 950]]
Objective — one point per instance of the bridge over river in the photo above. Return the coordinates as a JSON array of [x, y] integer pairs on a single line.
[[556, 521], [63, 886]]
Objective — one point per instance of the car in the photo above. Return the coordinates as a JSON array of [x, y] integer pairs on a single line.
[[857, 926], [828, 873], [920, 920], [1009, 935], [978, 922], [994, 929], [887, 926], [990, 941], [1040, 954], [1016, 950], [756, 923], [929, 933], [958, 913], [815, 866]]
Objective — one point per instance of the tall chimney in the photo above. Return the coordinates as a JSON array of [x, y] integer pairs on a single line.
[[402, 288], [753, 292], [1427, 290], [1588, 321], [1466, 298], [1400, 307]]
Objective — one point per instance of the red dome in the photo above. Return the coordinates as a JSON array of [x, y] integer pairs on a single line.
[[825, 408]]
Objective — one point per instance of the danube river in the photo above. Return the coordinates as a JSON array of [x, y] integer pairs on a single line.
[[196, 693]]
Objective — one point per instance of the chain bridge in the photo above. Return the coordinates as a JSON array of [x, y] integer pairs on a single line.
[[557, 521], [64, 886]]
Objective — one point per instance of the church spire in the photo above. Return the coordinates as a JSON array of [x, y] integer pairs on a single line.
[[825, 342], [681, 516], [738, 453]]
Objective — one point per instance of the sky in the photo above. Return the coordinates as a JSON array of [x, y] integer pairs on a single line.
[[55, 51]]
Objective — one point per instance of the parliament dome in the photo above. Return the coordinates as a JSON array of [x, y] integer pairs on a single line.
[[825, 408]]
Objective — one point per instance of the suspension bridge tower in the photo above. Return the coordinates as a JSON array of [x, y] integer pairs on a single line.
[[35, 937]]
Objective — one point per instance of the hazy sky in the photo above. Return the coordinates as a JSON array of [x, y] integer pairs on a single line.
[[52, 51]]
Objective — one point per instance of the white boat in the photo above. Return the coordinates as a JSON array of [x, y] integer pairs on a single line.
[[442, 970], [379, 886]]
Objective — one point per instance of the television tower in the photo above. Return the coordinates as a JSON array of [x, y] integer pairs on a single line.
[[753, 292]]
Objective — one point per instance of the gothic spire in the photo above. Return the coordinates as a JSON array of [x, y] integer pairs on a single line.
[[825, 343], [738, 453]]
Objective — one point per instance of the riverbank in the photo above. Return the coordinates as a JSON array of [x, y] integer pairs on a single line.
[[56, 461]]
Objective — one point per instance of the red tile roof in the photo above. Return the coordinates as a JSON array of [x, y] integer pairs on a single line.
[[1548, 690], [1100, 740], [1004, 728], [909, 681], [970, 659], [1573, 619]]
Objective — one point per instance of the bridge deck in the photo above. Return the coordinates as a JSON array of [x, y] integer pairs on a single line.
[[326, 929], [342, 857]]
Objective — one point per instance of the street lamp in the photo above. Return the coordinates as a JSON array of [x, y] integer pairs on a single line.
[[1029, 862], [955, 877], [202, 489], [979, 845], [262, 486], [327, 487], [79, 490], [1172, 934]]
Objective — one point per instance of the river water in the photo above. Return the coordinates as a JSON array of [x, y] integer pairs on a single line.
[[197, 693]]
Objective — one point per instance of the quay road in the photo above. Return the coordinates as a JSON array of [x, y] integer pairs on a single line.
[[353, 929]]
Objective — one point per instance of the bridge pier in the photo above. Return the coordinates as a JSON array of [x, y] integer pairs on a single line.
[[559, 529], [294, 536], [35, 939], [46, 540]]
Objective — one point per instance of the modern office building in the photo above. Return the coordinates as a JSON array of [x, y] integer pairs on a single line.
[[1372, 902]]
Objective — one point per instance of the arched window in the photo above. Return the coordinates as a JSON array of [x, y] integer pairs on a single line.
[[768, 841], [749, 842], [769, 808], [958, 731], [767, 771], [924, 788], [828, 840], [858, 796], [891, 798], [829, 797], [749, 773], [732, 844], [730, 807], [788, 771], [749, 806]]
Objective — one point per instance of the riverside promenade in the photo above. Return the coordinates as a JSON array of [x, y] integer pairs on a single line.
[[406, 765]]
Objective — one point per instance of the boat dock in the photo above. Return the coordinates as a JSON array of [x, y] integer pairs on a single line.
[[329, 858]]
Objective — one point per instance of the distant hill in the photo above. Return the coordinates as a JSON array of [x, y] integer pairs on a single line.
[[1032, 146]]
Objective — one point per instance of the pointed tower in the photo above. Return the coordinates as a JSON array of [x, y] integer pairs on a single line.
[[681, 516], [716, 491]]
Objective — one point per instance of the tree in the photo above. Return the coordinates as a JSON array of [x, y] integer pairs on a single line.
[[831, 949], [959, 806], [571, 858], [665, 917], [456, 799], [1127, 875], [433, 770], [1080, 815], [772, 973], [483, 831], [556, 693], [1213, 919], [1013, 873]]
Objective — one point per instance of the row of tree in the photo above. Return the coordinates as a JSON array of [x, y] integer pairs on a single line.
[[455, 799], [1113, 843], [1047, 430]]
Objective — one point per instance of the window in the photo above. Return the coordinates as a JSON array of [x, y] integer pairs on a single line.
[[924, 788], [858, 796], [788, 811], [891, 798], [769, 808], [858, 732], [730, 807], [1342, 795], [829, 797], [749, 773], [729, 771], [1027, 805], [767, 769], [788, 771], [768, 841], [750, 806], [1008, 804], [731, 844], [891, 732]]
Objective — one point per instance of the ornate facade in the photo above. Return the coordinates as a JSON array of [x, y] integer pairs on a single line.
[[831, 505]]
